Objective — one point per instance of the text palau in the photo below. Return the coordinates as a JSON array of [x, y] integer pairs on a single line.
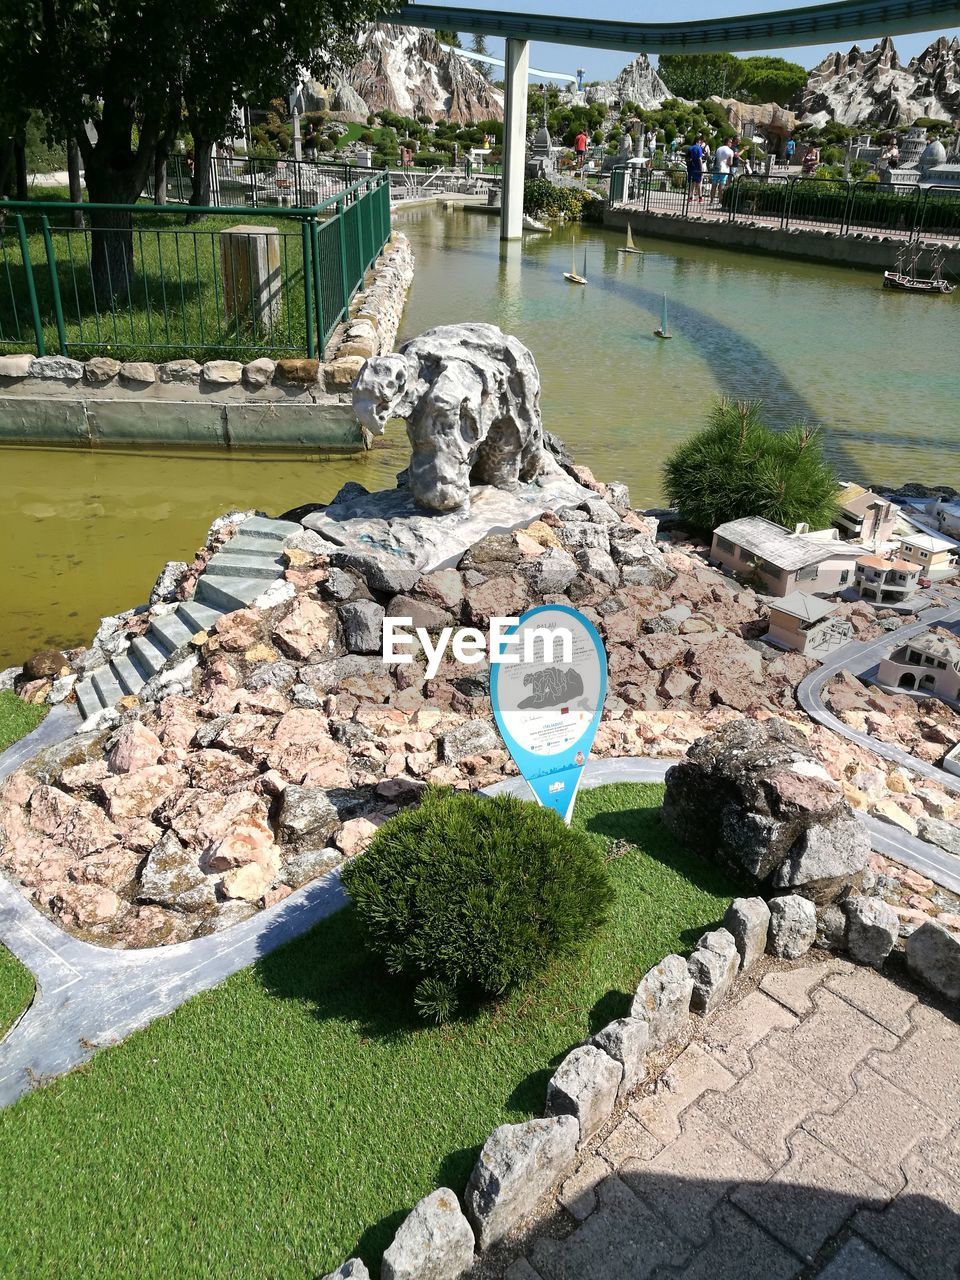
[[470, 645]]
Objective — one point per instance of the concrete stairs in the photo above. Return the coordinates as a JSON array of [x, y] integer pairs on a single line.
[[233, 578]]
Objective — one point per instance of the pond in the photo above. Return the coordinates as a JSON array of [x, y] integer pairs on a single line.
[[86, 532]]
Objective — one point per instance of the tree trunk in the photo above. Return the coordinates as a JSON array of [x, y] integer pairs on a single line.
[[202, 157], [160, 179], [6, 168], [111, 231], [20, 165], [73, 178]]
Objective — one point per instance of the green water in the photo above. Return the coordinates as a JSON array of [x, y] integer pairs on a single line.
[[85, 532]]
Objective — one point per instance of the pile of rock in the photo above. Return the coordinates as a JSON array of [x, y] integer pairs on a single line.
[[926, 728], [754, 794]]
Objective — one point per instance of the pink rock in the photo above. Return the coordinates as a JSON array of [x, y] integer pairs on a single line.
[[271, 783], [246, 842], [222, 701], [273, 896], [139, 834], [329, 773], [176, 721], [114, 868], [354, 836], [152, 926], [84, 905], [217, 815], [49, 809], [139, 794], [238, 630], [135, 748], [308, 628], [213, 770], [949, 919], [18, 788], [218, 671], [248, 882], [301, 727], [264, 701]]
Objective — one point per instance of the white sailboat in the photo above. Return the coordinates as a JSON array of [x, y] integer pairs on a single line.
[[629, 247], [572, 275], [663, 331]]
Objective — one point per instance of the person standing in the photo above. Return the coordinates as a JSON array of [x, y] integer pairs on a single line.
[[789, 150], [723, 162], [580, 146], [310, 140], [695, 170]]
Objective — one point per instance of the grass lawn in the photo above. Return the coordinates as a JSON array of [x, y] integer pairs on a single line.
[[16, 718], [274, 1126], [16, 989]]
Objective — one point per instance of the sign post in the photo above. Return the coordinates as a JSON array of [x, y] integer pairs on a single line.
[[547, 708]]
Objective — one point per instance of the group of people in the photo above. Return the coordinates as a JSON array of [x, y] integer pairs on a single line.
[[727, 162]]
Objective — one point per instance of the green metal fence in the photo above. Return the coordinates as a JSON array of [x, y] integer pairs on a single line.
[[139, 281]]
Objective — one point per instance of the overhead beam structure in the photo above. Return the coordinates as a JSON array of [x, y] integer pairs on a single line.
[[780, 29]]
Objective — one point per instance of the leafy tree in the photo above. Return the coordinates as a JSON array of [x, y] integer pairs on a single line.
[[700, 75], [450, 38], [479, 45], [738, 467], [766, 79], [129, 67]]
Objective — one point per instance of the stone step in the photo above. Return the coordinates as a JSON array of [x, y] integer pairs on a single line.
[[131, 678], [252, 545], [228, 594], [106, 685], [225, 564], [170, 632], [150, 658], [88, 700], [278, 530], [199, 617]]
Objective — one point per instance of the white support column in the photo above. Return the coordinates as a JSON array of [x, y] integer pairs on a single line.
[[517, 70]]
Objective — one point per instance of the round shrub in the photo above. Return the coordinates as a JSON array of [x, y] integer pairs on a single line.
[[467, 896]]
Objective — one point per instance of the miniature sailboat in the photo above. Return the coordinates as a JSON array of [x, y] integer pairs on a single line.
[[571, 275], [663, 331], [629, 247]]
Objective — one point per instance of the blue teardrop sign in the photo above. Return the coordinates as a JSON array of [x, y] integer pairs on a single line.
[[547, 705]]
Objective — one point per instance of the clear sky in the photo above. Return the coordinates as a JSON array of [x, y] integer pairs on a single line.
[[601, 65]]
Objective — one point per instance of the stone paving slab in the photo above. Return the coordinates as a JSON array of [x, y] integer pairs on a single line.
[[810, 1129]]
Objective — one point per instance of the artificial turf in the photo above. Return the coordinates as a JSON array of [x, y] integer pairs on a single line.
[[16, 718], [16, 989], [290, 1118]]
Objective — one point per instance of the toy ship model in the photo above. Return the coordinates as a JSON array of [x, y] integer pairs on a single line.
[[910, 282]]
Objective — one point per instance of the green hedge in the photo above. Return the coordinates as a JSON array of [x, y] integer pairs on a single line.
[[868, 205], [541, 199]]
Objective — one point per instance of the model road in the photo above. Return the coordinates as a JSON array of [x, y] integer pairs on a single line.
[[859, 657]]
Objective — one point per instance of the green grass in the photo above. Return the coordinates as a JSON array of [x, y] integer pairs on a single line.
[[16, 989], [292, 1117], [16, 718]]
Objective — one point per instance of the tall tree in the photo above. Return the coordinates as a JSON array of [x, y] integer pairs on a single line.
[[448, 37], [479, 45], [699, 75], [114, 75]]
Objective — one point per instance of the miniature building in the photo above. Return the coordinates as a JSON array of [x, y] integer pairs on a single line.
[[886, 581], [783, 561], [925, 664], [945, 513], [806, 623], [934, 555], [865, 517]]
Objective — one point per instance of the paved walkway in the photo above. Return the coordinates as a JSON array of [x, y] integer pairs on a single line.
[[811, 1128]]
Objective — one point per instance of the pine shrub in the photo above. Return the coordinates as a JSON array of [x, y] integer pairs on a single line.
[[738, 467], [467, 896]]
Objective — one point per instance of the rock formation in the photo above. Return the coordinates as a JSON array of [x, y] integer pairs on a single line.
[[470, 396], [408, 71], [637, 83], [872, 87], [756, 795]]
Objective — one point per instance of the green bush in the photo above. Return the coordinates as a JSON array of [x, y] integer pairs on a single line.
[[541, 199], [466, 896], [738, 467]]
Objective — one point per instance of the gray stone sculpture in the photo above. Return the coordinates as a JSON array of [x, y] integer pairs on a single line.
[[470, 396]]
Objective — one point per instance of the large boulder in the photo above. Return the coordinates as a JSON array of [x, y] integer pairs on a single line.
[[434, 1242], [518, 1165], [773, 810], [933, 956]]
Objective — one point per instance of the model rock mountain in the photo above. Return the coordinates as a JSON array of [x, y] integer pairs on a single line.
[[637, 82], [408, 71], [873, 87]]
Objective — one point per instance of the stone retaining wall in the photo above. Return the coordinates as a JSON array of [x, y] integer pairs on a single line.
[[264, 403], [869, 250]]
